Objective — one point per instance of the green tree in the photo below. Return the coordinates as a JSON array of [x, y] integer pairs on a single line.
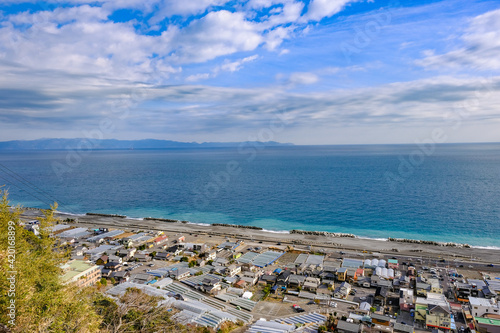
[[192, 263], [104, 282], [137, 312], [43, 302]]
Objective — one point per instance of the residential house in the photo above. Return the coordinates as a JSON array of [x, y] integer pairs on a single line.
[[140, 278], [403, 328], [163, 256], [295, 281], [143, 257], [342, 274], [422, 305], [115, 258], [78, 252], [346, 327], [379, 319], [180, 273], [311, 284], [438, 317], [463, 291], [211, 255], [342, 290], [211, 285], [406, 299], [220, 262], [232, 270], [160, 240], [113, 266], [127, 253], [482, 307], [241, 284], [435, 286], [121, 276], [250, 277], [487, 325], [175, 249], [268, 279], [282, 279], [380, 296], [422, 289], [104, 259]]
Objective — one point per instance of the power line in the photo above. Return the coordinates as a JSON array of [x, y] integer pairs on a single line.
[[31, 185], [34, 196], [31, 189]]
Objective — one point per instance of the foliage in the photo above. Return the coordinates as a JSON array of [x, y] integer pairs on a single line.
[[192, 263], [266, 290], [185, 259], [104, 282], [136, 311], [43, 302], [322, 329]]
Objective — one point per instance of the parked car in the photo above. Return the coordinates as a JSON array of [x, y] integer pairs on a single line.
[[298, 308]]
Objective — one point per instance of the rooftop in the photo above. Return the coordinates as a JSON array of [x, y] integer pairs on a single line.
[[73, 268], [487, 321]]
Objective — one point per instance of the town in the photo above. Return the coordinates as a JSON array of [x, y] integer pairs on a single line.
[[274, 287]]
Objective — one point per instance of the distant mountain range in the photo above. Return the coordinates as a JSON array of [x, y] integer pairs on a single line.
[[62, 144]]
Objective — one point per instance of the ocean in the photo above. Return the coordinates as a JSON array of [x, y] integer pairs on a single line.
[[447, 193]]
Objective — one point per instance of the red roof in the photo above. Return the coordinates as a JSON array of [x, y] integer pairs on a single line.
[[160, 238]]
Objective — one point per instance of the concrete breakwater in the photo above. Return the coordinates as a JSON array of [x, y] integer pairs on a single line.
[[236, 226], [159, 219], [107, 215], [416, 241], [322, 233]]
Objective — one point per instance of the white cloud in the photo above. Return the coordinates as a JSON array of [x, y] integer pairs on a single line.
[[302, 78], [319, 9], [227, 66], [217, 34], [169, 8], [198, 77], [236, 65], [61, 102], [481, 47], [81, 40]]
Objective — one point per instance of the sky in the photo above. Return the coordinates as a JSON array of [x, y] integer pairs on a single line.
[[298, 71]]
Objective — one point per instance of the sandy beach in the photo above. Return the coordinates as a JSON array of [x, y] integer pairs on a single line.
[[320, 243]]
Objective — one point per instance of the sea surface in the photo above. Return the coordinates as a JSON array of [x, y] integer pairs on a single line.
[[448, 193]]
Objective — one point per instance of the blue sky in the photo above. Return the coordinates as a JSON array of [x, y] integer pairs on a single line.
[[307, 72]]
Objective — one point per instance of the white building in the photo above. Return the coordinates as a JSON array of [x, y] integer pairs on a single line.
[[479, 307]]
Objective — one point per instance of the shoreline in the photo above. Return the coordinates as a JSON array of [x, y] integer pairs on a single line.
[[320, 241], [392, 240]]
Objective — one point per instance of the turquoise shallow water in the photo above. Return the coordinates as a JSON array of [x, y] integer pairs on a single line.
[[376, 191]]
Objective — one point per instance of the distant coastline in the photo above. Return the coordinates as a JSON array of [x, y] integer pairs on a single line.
[[86, 144]]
